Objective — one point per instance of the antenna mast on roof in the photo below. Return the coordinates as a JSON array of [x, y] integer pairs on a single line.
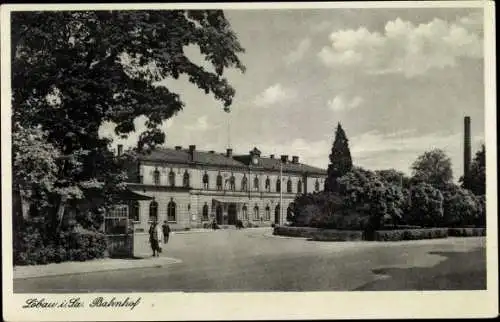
[[227, 110]]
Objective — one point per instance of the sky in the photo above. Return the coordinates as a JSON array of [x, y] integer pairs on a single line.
[[400, 81]]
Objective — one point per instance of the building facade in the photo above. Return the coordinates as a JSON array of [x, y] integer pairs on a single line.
[[190, 188]]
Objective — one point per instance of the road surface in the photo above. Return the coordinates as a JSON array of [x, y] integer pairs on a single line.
[[254, 260]]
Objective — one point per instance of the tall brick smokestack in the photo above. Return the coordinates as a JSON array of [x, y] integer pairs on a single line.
[[467, 148]]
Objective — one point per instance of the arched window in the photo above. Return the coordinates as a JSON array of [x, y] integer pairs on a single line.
[[299, 186], [205, 212], [185, 180], [244, 185], [156, 176], [219, 182], [278, 185], [256, 212], [267, 214], [205, 181], [268, 184], [316, 185], [289, 213], [277, 214], [134, 210], [256, 183], [171, 207], [171, 178], [153, 211], [244, 212], [289, 186], [232, 185]]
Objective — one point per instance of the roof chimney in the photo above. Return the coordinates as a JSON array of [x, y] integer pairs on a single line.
[[191, 152], [229, 153], [120, 149], [295, 159], [211, 151], [178, 147], [272, 156], [284, 158]]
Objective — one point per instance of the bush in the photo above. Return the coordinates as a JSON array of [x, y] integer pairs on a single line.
[[461, 207], [426, 206], [76, 245], [410, 234], [466, 232], [318, 234]]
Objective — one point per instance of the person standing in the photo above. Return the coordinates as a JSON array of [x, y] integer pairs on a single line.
[[166, 232], [154, 239]]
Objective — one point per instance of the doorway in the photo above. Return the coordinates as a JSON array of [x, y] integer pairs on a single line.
[[277, 215], [232, 214], [218, 215]]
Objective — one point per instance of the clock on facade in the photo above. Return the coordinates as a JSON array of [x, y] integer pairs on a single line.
[[255, 160]]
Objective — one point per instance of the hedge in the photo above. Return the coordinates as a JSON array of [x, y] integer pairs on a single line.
[[410, 234], [466, 232], [319, 234]]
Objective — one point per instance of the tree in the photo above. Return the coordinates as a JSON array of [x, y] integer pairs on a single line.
[[460, 206], [394, 177], [426, 206], [73, 71], [433, 167], [476, 180], [340, 160]]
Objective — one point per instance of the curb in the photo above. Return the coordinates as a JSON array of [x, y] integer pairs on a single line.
[[26, 272]]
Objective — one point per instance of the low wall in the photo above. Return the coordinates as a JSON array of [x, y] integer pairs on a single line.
[[410, 234], [319, 234]]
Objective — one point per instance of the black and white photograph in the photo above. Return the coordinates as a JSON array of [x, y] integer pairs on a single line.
[[240, 156]]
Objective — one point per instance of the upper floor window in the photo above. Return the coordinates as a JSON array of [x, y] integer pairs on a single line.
[[185, 179], [219, 182], [156, 176], [316, 185], [134, 210], [244, 184], [153, 211], [278, 185], [205, 212], [289, 186], [256, 183], [268, 184], [205, 181], [244, 212], [171, 178], [171, 208], [299, 186], [232, 185]]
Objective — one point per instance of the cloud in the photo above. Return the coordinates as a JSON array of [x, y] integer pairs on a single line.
[[272, 95], [340, 103], [298, 53], [201, 124], [405, 48]]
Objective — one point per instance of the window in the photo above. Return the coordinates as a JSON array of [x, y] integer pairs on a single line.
[[267, 214], [244, 212], [244, 185], [316, 185], [219, 182], [256, 183], [205, 212], [153, 211], [278, 185], [134, 211], [277, 214], [232, 185], [171, 178], [185, 180], [289, 213], [171, 211], [289, 186], [205, 181], [268, 184], [156, 177], [299, 186], [256, 212]]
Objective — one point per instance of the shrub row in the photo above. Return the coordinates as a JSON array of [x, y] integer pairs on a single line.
[[318, 234], [466, 232], [410, 234], [72, 246]]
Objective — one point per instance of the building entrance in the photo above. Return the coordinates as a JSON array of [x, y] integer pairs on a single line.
[[232, 214], [218, 215], [277, 215]]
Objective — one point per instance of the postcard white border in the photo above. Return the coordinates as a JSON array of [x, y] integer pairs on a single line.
[[243, 306]]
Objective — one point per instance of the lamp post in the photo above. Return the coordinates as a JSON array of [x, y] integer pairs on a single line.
[[281, 191]]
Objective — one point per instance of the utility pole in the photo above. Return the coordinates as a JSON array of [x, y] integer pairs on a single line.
[[281, 190]]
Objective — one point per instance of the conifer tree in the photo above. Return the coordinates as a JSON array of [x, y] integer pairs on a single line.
[[340, 159]]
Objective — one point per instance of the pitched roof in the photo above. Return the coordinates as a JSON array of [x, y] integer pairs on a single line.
[[212, 158]]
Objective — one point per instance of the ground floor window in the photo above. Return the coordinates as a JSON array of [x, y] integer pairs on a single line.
[[171, 212], [267, 215], [244, 213], [134, 211], [205, 212]]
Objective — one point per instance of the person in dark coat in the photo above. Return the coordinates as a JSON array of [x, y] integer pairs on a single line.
[[154, 239], [166, 232]]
